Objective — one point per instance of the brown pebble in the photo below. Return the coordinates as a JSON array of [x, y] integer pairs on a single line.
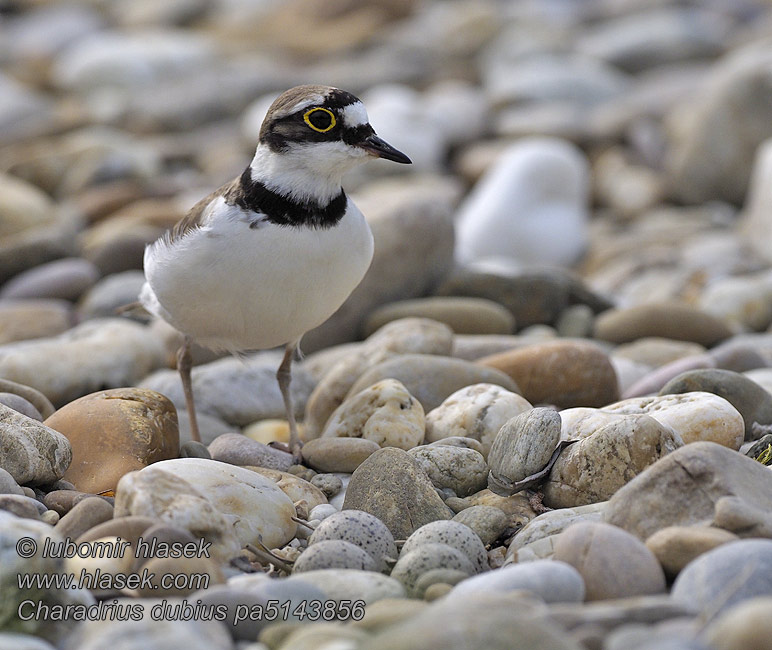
[[86, 514]]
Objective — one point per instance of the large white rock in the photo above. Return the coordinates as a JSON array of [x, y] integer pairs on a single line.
[[215, 500], [530, 206]]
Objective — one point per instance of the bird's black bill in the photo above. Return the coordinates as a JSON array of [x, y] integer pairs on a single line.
[[383, 149]]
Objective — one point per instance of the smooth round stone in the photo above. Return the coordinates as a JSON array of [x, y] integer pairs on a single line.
[[665, 320], [477, 411], [14, 641], [87, 358], [20, 405], [21, 506], [695, 416], [237, 391], [743, 301], [352, 584], [23, 205], [237, 449], [110, 293], [426, 557], [431, 378], [194, 449], [322, 511], [41, 403], [33, 318], [676, 546], [462, 470], [235, 504], [84, 516], [334, 554], [115, 560], [128, 528], [360, 529], [327, 483], [564, 373], [296, 488], [155, 537], [384, 412], [139, 422], [453, 534], [64, 500], [745, 565], [697, 484], [387, 612], [552, 581], [391, 485], [405, 336], [523, 446], [192, 572], [435, 583], [337, 454], [458, 441], [742, 627], [488, 522], [575, 321], [510, 214], [594, 468], [8, 485], [612, 562], [752, 402], [66, 279], [31, 452], [463, 315], [656, 351]]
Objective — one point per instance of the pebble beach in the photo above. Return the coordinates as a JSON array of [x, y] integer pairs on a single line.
[[543, 420]]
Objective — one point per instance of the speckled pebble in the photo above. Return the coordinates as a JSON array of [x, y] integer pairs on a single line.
[[334, 554], [425, 557], [464, 471], [453, 534], [361, 529]]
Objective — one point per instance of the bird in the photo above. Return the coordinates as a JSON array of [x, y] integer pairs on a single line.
[[276, 251]]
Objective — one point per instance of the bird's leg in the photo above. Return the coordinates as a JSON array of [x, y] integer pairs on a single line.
[[284, 377], [184, 364]]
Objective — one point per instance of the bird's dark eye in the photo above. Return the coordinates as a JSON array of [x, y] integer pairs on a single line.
[[319, 119]]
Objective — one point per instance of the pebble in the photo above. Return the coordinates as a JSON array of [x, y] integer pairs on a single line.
[[236, 391], [7, 484], [427, 556], [405, 336], [752, 402], [139, 422], [522, 447], [745, 302], [361, 529], [194, 449], [328, 483], [89, 357], [676, 546], [550, 580], [612, 562], [488, 522], [412, 221], [30, 451], [25, 319], [21, 506], [431, 378], [20, 405], [66, 279], [39, 401], [458, 441], [664, 320], [17, 641], [464, 471], [463, 315], [23, 205], [237, 449], [743, 626], [563, 373], [694, 416], [352, 584], [387, 612], [111, 292], [391, 485], [83, 516], [337, 454], [726, 576], [453, 534], [477, 411], [510, 214], [322, 511], [756, 217], [533, 297], [697, 484], [156, 536], [296, 488], [65, 499], [232, 504], [334, 554], [436, 583], [385, 412], [595, 467], [654, 351]]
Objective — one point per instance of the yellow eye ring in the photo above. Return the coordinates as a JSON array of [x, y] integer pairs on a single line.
[[307, 119]]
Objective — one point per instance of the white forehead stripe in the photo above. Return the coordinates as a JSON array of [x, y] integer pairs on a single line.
[[310, 100], [355, 115]]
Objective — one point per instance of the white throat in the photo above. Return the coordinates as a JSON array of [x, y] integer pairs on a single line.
[[306, 172]]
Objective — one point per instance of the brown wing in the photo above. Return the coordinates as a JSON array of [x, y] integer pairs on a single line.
[[194, 218]]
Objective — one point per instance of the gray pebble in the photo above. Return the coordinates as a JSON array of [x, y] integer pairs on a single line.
[[425, 557], [328, 483], [334, 554]]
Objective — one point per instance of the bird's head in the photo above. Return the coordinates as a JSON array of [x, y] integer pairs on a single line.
[[318, 132]]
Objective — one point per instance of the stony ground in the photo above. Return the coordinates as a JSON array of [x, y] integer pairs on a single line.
[[543, 420]]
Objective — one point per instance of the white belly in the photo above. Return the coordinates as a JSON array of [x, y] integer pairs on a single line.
[[235, 288]]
